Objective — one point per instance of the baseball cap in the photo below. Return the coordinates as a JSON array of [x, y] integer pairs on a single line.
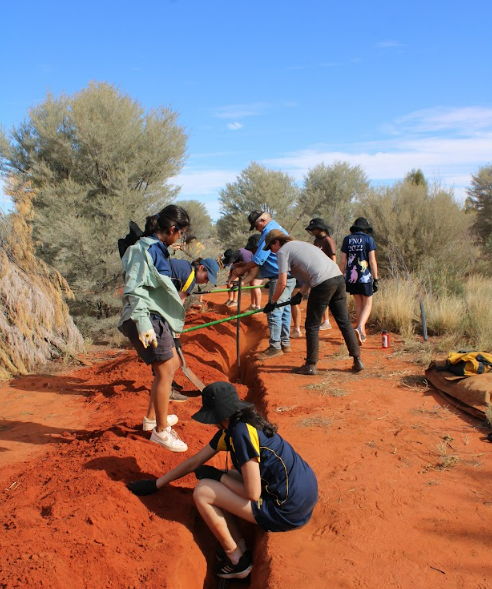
[[219, 402], [212, 268], [253, 217]]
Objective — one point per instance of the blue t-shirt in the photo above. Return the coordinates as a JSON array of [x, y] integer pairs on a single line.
[[182, 275], [160, 256], [266, 259], [357, 247], [285, 477]]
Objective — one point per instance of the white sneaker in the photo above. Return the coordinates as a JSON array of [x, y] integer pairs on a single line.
[[325, 325], [296, 332], [169, 439], [149, 424]]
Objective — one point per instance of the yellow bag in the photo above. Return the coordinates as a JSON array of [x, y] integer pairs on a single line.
[[469, 363]]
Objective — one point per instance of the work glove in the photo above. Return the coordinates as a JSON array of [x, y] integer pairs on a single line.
[[296, 299], [208, 472], [375, 286], [269, 307], [145, 487], [148, 338]]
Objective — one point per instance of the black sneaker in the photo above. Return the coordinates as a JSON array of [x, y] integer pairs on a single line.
[[308, 369], [241, 570], [357, 365], [176, 396]]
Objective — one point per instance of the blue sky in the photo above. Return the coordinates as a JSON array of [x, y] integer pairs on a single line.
[[387, 85]]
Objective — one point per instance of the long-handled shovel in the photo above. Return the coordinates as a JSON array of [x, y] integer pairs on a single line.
[[188, 372]]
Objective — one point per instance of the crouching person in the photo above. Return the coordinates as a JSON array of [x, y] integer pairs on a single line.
[[270, 486]]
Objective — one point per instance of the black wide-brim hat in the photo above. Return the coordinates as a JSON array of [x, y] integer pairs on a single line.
[[219, 402], [318, 223], [361, 224]]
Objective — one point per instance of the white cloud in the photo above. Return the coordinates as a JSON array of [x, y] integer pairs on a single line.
[[464, 120], [446, 157], [196, 182], [235, 126]]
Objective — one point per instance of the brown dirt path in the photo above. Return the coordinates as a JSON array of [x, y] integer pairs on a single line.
[[404, 480]]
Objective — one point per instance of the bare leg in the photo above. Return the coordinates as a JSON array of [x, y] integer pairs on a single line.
[[161, 387], [212, 500], [358, 307], [366, 307], [256, 292]]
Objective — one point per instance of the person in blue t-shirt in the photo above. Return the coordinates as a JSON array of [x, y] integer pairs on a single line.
[[264, 265], [360, 267], [270, 485]]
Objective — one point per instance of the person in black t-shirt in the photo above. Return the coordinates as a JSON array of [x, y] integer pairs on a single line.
[[270, 485]]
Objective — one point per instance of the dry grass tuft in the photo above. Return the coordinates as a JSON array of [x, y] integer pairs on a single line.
[[35, 325], [316, 422]]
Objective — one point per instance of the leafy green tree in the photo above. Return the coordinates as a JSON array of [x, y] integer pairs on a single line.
[[202, 226], [330, 192], [480, 201], [256, 188], [417, 231], [94, 160]]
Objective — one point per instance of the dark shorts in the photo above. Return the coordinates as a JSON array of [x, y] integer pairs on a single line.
[[359, 288], [274, 518], [165, 341]]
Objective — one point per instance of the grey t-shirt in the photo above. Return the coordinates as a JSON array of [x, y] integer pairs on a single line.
[[306, 262]]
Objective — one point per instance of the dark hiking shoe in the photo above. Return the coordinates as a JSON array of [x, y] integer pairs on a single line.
[[309, 369], [357, 366], [270, 352], [177, 396], [227, 570], [287, 348]]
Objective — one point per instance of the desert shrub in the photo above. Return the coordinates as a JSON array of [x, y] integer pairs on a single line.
[[423, 232]]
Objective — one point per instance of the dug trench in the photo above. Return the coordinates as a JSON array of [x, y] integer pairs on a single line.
[[66, 515], [404, 479]]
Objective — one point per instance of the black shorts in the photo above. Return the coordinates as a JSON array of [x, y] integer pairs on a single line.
[[165, 341], [359, 288]]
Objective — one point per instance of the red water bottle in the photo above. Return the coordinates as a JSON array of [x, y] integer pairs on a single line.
[[385, 339]]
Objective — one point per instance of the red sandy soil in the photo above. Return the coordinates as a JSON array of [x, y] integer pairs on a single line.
[[405, 486]]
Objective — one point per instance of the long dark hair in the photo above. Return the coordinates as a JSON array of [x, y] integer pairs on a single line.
[[251, 416], [165, 219]]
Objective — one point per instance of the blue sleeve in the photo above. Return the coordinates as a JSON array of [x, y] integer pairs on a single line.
[[245, 442], [160, 258], [371, 244]]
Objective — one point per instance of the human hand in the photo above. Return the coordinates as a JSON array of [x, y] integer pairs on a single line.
[[145, 487], [296, 299], [205, 471], [269, 307], [375, 286], [148, 338]]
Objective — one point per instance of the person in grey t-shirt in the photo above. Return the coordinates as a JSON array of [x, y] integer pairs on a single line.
[[310, 265]]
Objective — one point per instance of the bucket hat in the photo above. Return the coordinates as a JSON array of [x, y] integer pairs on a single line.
[[219, 402], [361, 224], [318, 223], [252, 218]]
